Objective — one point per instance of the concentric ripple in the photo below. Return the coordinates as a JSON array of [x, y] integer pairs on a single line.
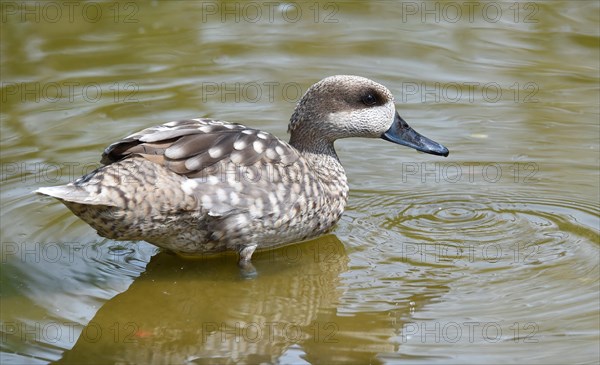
[[477, 216], [503, 247], [489, 228]]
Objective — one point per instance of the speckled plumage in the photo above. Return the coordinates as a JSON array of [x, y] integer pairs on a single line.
[[204, 186]]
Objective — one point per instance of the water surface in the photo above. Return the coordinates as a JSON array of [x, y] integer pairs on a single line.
[[487, 256]]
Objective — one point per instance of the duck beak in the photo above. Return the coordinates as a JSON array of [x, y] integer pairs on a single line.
[[401, 133]]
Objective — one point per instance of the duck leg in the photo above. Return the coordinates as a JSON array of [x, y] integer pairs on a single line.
[[247, 270]]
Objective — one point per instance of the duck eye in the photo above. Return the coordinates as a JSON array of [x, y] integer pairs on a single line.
[[369, 99]]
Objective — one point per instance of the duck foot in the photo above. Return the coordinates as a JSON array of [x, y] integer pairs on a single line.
[[247, 270]]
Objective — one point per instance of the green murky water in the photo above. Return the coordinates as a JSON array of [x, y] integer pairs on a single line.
[[488, 256]]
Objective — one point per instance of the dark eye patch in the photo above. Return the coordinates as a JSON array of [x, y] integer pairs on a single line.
[[371, 98]]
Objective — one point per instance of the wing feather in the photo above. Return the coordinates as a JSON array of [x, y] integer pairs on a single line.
[[187, 147]]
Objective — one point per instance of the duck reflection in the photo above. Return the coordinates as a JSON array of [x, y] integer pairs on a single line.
[[205, 312]]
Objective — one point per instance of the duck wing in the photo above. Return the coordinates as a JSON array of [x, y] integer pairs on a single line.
[[188, 147]]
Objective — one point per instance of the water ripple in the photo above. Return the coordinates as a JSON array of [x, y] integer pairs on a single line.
[[434, 243], [491, 218]]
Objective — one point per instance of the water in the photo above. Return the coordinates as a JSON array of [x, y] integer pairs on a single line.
[[487, 256]]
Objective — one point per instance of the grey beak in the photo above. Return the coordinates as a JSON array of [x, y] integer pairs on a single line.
[[401, 133]]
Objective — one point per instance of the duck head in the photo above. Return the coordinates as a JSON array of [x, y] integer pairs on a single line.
[[346, 106]]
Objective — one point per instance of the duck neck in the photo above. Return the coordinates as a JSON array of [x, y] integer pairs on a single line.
[[313, 144], [324, 161]]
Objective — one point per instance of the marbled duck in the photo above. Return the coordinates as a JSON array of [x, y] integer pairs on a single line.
[[203, 186]]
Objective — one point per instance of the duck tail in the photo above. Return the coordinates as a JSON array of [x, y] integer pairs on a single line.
[[71, 193]]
